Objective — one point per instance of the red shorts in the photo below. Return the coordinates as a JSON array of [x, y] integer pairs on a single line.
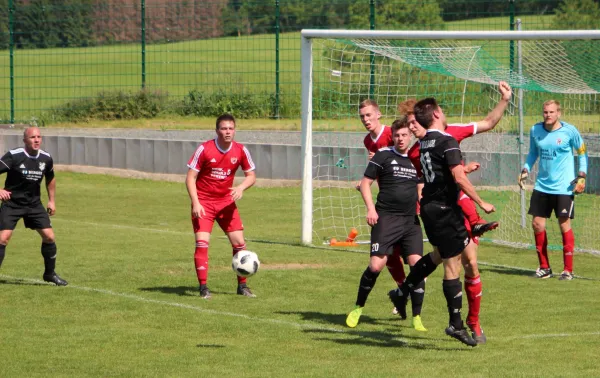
[[224, 212]]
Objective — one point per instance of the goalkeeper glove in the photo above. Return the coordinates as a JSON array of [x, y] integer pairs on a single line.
[[522, 177], [579, 183]]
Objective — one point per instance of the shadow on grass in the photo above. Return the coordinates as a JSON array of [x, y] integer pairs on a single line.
[[382, 339], [210, 346], [339, 319], [507, 271], [184, 291], [4, 281]]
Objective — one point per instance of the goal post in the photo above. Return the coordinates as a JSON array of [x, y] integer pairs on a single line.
[[461, 69]]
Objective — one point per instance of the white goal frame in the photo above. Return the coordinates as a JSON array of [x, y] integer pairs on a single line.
[[307, 35]]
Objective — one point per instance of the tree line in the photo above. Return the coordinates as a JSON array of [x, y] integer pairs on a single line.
[[80, 23]]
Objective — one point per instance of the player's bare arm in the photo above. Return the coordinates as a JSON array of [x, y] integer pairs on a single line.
[[238, 191], [190, 184], [458, 172], [365, 191], [493, 117], [51, 188]]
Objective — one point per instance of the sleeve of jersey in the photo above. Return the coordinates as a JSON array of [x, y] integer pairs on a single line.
[[532, 156], [49, 171], [461, 132], [374, 166], [6, 162], [452, 152], [415, 158], [195, 161], [582, 157], [247, 163]]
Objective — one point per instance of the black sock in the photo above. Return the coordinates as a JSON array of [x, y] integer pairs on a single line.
[[453, 294], [2, 253], [367, 281], [417, 295], [421, 270], [49, 254]]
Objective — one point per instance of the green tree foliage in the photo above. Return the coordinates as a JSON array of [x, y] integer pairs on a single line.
[[584, 56], [4, 34], [46, 23], [410, 14], [577, 14]]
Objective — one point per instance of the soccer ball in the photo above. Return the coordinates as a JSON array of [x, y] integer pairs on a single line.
[[245, 263]]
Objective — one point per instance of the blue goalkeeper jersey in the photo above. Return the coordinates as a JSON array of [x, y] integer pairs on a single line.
[[555, 148]]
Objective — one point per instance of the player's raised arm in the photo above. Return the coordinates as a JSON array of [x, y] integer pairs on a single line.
[[493, 117]]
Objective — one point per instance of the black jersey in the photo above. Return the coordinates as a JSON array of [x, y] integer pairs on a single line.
[[25, 173], [439, 151], [397, 178]]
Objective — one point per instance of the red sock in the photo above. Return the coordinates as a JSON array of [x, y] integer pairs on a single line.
[[541, 246], [201, 261], [469, 210], [473, 289], [396, 267], [236, 249], [568, 247]]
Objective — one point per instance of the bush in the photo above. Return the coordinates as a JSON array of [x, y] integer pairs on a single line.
[[111, 106], [241, 105]]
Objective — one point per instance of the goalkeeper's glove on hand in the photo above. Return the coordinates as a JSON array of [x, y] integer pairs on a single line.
[[522, 177], [579, 183]]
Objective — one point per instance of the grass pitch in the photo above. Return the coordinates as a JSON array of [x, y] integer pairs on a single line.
[[132, 307]]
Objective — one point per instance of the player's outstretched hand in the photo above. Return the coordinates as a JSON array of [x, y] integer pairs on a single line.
[[505, 90], [372, 217], [522, 177], [4, 195], [488, 207], [579, 183]]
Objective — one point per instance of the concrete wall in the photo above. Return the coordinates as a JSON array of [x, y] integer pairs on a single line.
[[279, 162]]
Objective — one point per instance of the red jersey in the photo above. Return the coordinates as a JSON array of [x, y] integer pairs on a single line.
[[216, 168], [458, 131], [384, 139]]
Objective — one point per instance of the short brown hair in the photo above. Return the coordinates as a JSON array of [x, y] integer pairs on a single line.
[[552, 102], [368, 102], [225, 117], [400, 123], [407, 107], [424, 111]]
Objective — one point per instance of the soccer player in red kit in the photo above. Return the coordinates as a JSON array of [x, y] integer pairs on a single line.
[[474, 223], [380, 136], [209, 184]]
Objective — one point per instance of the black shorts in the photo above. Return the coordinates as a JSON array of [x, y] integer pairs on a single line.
[[541, 205], [34, 217], [445, 228], [397, 230]]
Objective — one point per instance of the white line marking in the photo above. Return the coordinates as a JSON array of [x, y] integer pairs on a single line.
[[305, 326]]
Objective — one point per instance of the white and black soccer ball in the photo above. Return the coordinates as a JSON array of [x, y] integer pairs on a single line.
[[245, 263]]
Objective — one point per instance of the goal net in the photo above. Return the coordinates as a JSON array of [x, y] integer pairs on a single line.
[[461, 70]]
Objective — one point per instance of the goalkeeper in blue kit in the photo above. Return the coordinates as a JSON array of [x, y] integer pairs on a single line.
[[552, 142]]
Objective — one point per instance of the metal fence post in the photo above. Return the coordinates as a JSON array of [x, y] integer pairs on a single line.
[[277, 30], [143, 27], [11, 48], [372, 27]]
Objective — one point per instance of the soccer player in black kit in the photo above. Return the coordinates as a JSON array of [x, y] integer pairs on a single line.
[[443, 219], [394, 218], [25, 168]]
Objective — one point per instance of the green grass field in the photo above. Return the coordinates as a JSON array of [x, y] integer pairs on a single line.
[[132, 306]]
